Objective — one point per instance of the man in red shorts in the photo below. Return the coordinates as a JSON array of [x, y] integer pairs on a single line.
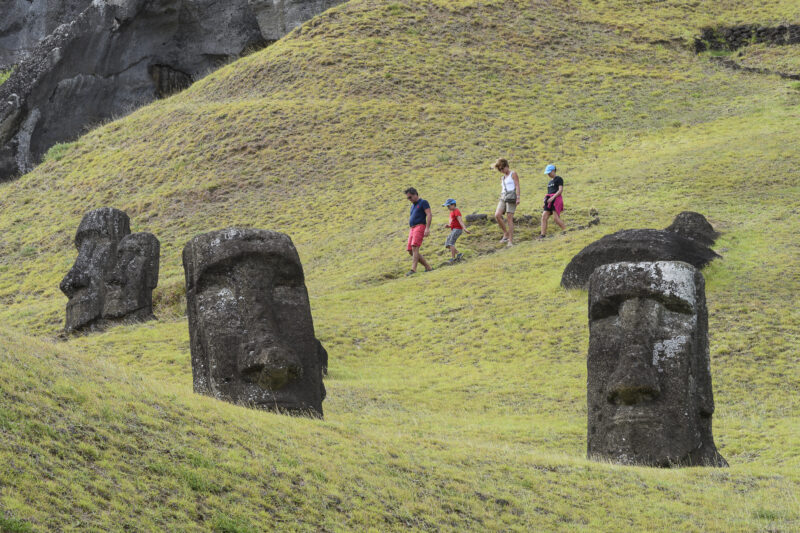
[[553, 200], [420, 224]]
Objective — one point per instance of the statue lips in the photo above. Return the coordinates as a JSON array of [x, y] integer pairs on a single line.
[[270, 366], [637, 415]]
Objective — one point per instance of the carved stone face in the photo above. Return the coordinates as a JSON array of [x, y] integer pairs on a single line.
[[129, 287], [114, 275], [96, 239], [649, 383], [252, 335]]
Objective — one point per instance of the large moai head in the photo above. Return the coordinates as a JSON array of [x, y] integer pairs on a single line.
[[114, 275], [97, 238], [649, 381], [252, 335]]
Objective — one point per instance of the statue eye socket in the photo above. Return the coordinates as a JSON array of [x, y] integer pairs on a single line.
[[604, 309], [678, 306]]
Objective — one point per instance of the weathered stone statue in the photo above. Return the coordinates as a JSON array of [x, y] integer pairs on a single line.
[[114, 275], [649, 380], [250, 326]]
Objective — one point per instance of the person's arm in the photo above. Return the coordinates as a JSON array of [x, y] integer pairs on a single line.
[[556, 195], [463, 226], [428, 219], [516, 184]]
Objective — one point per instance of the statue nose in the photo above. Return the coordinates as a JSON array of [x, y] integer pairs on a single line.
[[74, 280], [271, 366], [634, 381]]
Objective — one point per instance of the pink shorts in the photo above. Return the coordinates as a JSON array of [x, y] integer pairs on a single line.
[[415, 236], [557, 205]]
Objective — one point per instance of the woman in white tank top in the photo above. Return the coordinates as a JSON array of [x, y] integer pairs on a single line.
[[509, 198]]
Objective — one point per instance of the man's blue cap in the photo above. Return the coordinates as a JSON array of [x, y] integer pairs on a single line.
[[449, 201], [549, 169]]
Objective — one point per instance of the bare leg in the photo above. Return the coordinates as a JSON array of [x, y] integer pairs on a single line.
[[419, 259], [545, 216], [510, 217], [498, 215], [414, 253], [453, 251], [558, 220]]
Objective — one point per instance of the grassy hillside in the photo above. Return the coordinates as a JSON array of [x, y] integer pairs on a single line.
[[456, 399]]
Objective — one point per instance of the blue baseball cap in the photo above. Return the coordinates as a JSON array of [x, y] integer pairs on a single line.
[[549, 169], [449, 201]]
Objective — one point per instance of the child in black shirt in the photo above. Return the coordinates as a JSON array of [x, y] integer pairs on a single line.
[[553, 200]]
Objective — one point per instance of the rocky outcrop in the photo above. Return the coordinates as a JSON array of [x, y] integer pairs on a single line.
[[24, 23], [117, 56], [734, 37]]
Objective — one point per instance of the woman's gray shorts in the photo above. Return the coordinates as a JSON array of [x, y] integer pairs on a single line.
[[453, 237]]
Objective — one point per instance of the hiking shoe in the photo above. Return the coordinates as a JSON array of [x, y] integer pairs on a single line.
[[451, 261], [542, 237], [459, 257], [504, 239], [411, 273], [510, 244], [429, 270]]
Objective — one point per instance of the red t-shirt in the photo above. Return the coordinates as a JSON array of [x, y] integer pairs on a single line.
[[454, 224]]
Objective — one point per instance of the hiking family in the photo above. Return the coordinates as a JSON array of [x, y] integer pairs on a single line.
[[420, 217]]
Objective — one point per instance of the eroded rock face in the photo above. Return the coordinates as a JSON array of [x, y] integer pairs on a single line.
[[114, 275], [252, 335], [649, 392], [23, 23], [687, 240], [276, 19], [116, 56]]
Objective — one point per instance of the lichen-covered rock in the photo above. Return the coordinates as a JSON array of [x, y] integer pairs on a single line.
[[250, 326], [116, 56], [649, 391], [695, 226], [114, 275], [477, 218], [634, 245]]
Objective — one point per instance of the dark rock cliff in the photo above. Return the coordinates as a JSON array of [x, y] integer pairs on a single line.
[[117, 56]]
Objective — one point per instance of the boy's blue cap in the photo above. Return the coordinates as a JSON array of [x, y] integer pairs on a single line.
[[549, 169], [449, 201]]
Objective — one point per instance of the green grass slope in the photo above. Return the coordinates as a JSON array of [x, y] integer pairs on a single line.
[[456, 399]]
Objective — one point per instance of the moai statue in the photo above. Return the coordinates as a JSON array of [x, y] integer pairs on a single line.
[[649, 380], [114, 275], [250, 326]]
